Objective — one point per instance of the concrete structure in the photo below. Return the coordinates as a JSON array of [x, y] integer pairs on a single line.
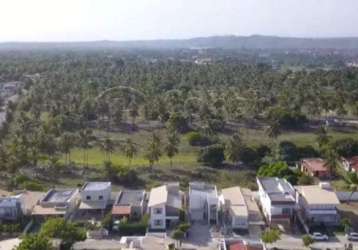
[[57, 203], [315, 167], [203, 202], [95, 197], [164, 206], [350, 164], [10, 208], [236, 213], [277, 198], [318, 204], [130, 204]]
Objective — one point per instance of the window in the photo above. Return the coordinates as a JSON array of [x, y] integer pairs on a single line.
[[286, 210], [158, 222], [158, 210], [100, 197], [88, 197]]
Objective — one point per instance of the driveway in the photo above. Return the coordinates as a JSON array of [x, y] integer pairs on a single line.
[[201, 237]]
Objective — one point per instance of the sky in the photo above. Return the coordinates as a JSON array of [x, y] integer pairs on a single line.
[[89, 20]]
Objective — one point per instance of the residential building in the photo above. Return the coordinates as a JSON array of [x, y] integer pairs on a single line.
[[95, 199], [318, 204], [350, 164], [255, 215], [130, 204], [57, 203], [315, 167], [203, 202], [10, 208], [278, 199], [236, 214], [164, 206]]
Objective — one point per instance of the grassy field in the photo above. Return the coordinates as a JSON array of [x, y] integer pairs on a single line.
[[185, 166]]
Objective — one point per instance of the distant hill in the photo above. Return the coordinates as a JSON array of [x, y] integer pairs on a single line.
[[224, 42]]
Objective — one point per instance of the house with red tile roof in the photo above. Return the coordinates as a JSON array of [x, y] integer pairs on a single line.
[[241, 245], [350, 164], [315, 167]]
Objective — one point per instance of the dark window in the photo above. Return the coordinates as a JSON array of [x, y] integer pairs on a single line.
[[88, 197], [100, 197]]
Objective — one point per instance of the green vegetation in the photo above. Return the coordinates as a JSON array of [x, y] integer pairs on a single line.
[[109, 115]]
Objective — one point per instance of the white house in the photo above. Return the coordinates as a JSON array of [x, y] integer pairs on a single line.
[[203, 202], [277, 198], [95, 197], [318, 204], [350, 164], [164, 206], [236, 213]]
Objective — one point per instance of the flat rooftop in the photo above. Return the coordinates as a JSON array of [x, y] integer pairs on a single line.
[[59, 196], [315, 195], [202, 187], [279, 190], [130, 197], [94, 186]]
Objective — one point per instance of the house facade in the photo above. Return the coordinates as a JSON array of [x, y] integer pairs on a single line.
[[315, 167], [164, 206], [277, 199], [10, 208], [236, 214], [203, 202], [318, 204], [95, 198]]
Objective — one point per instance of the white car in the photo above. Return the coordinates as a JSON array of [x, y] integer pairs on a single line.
[[352, 236], [319, 236]]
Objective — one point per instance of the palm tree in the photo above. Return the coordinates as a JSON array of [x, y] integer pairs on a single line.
[[274, 129], [86, 136], [108, 147], [322, 137], [233, 148], [130, 149], [171, 147], [133, 111], [153, 150], [66, 143], [331, 163]]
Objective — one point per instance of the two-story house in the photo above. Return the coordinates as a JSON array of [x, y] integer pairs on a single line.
[[318, 204], [95, 199], [203, 202], [164, 206], [277, 198], [236, 213]]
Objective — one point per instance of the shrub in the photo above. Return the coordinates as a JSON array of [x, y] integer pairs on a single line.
[[305, 180], [212, 155], [307, 240], [198, 139], [278, 169], [32, 186]]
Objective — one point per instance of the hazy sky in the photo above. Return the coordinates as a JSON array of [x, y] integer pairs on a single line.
[[79, 20]]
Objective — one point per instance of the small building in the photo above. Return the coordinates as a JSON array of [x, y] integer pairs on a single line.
[[164, 206], [95, 198], [10, 208], [277, 199], [57, 203], [350, 164], [318, 204], [315, 167], [235, 244], [203, 202], [130, 204], [236, 213]]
